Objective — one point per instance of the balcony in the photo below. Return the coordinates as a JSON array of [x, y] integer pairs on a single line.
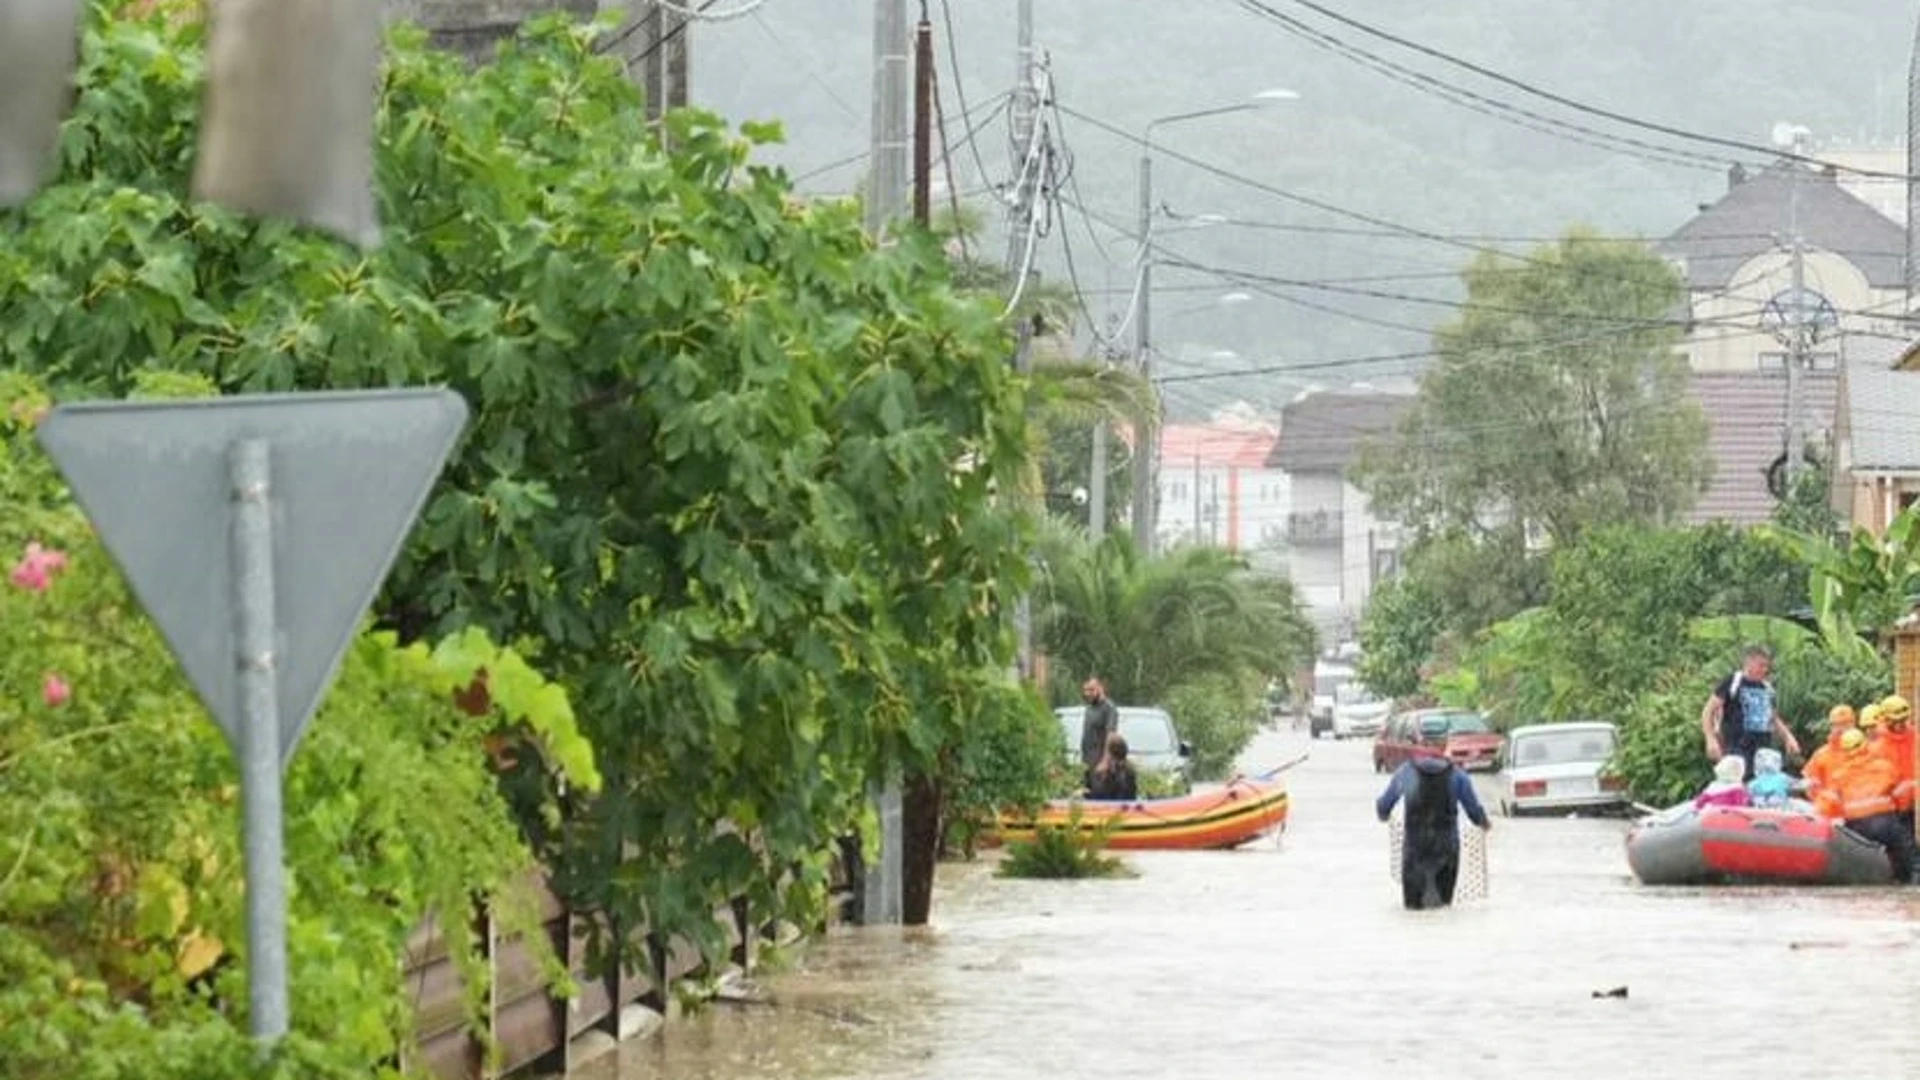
[[1315, 527]]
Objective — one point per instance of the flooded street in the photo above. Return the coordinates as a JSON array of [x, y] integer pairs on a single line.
[[1296, 960]]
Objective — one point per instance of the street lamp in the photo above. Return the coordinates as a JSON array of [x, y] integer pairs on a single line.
[[1146, 439]]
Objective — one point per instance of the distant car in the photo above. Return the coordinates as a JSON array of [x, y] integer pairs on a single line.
[[1471, 744], [1357, 714], [1152, 740], [1560, 767], [1328, 677]]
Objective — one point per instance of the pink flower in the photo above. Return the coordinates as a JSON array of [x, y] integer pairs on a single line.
[[35, 570], [55, 691]]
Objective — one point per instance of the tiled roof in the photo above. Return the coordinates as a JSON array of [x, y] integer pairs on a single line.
[[1747, 221], [1746, 432], [1323, 432], [1883, 418], [1217, 445]]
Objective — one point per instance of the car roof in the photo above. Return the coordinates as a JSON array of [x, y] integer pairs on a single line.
[[1583, 725]]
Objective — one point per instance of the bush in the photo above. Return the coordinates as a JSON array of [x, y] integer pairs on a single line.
[[713, 467], [1661, 755], [1064, 853], [121, 900], [1012, 762], [1218, 715]]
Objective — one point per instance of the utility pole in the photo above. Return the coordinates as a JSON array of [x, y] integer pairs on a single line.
[[1026, 158], [1097, 474], [881, 889], [887, 176], [1798, 329], [1028, 155], [923, 119], [1146, 442]]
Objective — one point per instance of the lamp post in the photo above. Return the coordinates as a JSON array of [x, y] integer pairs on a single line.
[[1147, 437]]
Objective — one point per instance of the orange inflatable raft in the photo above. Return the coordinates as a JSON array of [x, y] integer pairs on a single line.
[[1243, 811]]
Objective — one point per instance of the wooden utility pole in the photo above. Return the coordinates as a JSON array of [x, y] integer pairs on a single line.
[[923, 119], [921, 804]]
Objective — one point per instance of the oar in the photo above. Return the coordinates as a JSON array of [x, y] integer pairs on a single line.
[[1277, 770]]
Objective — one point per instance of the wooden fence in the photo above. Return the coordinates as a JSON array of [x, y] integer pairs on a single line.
[[534, 1029]]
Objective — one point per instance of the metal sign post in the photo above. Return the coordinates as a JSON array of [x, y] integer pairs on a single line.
[[256, 531], [250, 467]]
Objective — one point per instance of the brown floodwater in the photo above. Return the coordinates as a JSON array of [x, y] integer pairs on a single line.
[[1295, 959]]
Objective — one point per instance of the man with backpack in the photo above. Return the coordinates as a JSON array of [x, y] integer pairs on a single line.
[[1436, 792], [1742, 715]]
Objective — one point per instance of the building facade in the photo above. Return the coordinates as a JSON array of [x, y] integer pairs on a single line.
[[1737, 258], [1217, 489], [1337, 549]]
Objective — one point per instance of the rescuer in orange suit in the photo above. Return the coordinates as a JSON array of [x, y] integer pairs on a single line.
[[1861, 794], [1896, 745], [1818, 773]]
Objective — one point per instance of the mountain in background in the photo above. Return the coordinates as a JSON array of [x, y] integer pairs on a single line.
[[1731, 68]]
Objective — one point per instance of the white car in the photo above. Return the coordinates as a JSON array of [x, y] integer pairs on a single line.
[[1560, 768], [1357, 714]]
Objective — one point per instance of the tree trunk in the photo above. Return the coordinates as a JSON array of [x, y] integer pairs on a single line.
[[920, 843]]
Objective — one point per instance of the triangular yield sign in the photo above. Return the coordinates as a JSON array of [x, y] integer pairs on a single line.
[[349, 473]]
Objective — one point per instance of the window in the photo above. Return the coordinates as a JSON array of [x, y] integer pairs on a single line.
[[1564, 747]]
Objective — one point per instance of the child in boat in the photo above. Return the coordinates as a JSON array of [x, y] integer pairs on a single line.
[[1113, 779], [1770, 787], [1729, 787]]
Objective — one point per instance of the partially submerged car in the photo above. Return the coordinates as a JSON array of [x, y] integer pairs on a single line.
[[1153, 743], [1560, 768]]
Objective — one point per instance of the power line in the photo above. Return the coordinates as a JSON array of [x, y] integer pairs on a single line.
[[959, 89], [1488, 106], [1564, 101], [1293, 196], [999, 102]]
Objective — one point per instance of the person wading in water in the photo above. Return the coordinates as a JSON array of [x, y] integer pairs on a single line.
[[1436, 792]]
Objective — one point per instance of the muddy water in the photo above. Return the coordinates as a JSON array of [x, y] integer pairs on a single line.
[[1295, 959]]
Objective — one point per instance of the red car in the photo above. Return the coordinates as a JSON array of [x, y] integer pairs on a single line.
[[1471, 743]]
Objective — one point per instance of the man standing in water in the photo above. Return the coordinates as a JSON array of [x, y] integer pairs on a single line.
[[1436, 792], [1742, 715], [1101, 720]]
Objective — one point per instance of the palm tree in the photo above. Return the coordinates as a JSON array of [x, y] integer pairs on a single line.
[[1146, 625]]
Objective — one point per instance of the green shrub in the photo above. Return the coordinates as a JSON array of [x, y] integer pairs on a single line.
[[1661, 753], [1012, 761], [1218, 715], [1068, 852], [121, 901]]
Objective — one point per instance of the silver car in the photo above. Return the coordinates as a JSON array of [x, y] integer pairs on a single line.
[[1560, 768], [1152, 741]]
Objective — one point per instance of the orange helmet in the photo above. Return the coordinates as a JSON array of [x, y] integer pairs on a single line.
[[1841, 717], [1896, 711]]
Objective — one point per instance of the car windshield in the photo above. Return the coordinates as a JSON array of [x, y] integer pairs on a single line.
[[1467, 724], [1327, 684], [1563, 748], [1354, 694], [1147, 731]]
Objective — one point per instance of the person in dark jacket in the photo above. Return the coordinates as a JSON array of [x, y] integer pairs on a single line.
[[1436, 792], [1100, 721], [1113, 778]]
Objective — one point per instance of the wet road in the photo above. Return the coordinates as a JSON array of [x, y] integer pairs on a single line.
[[1295, 959]]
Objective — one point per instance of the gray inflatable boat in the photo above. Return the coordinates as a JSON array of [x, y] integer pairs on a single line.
[[1728, 845]]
